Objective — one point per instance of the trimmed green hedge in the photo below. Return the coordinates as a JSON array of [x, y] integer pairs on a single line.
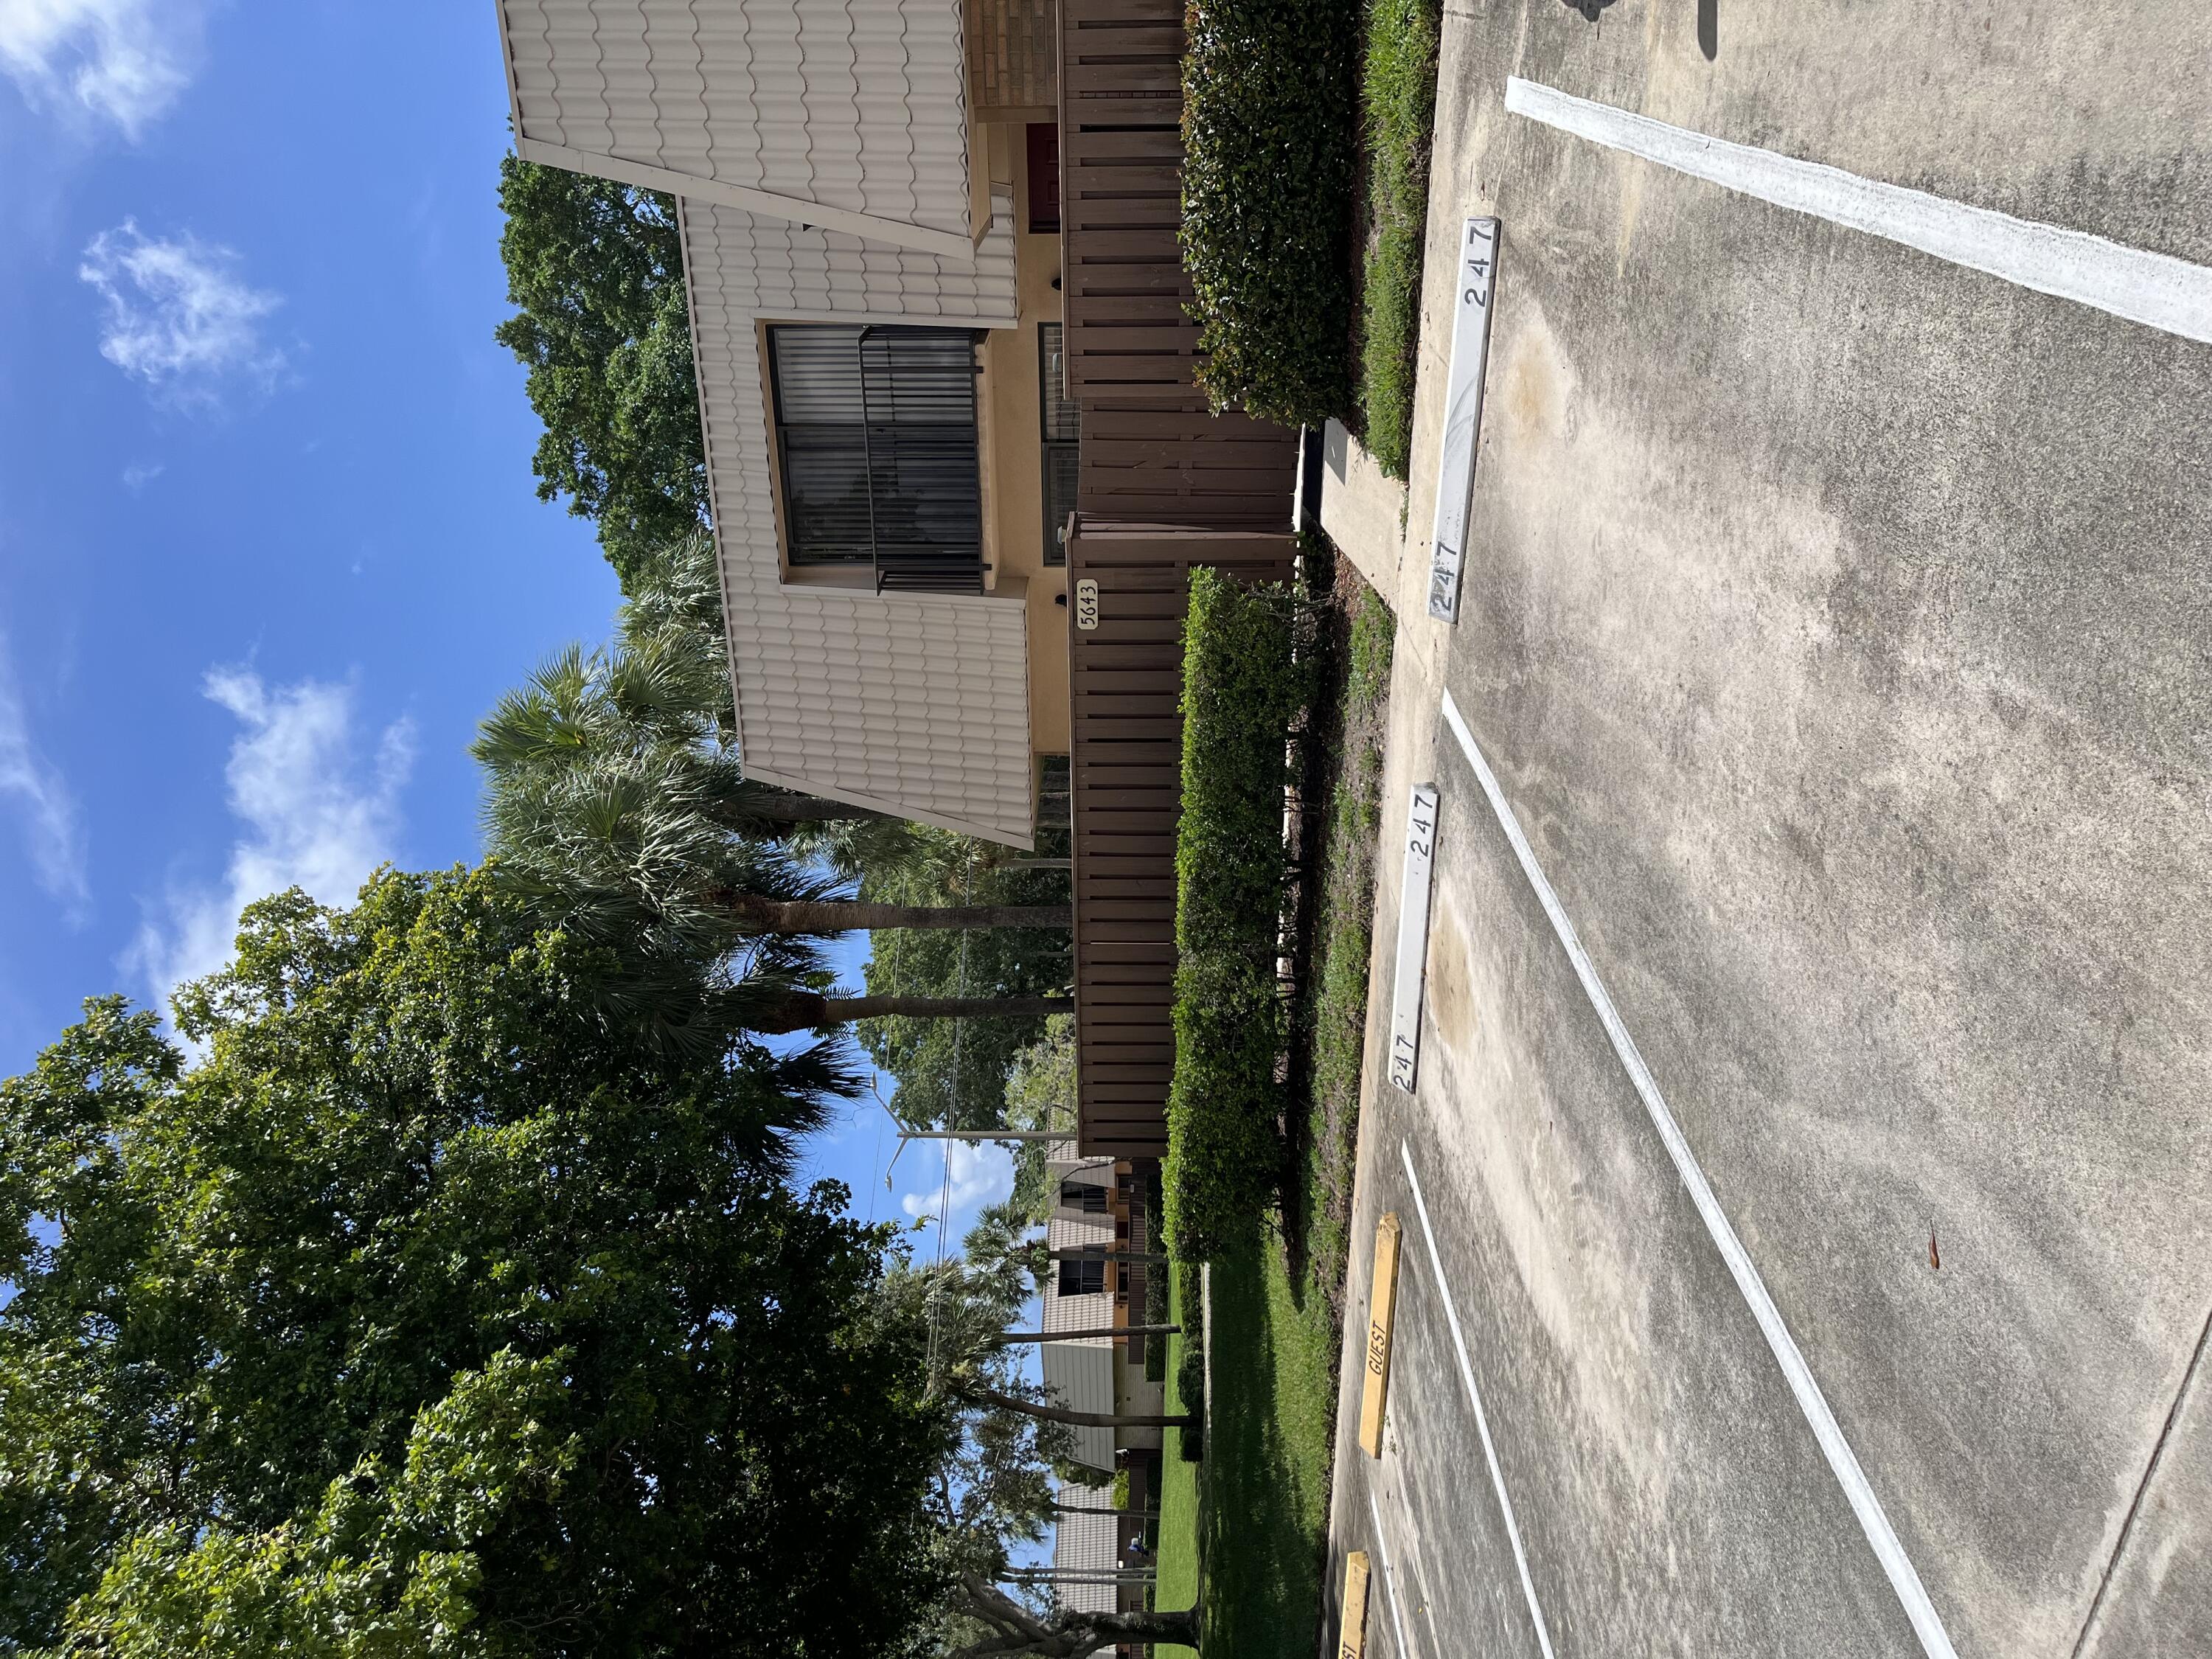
[[1241, 689], [1267, 130]]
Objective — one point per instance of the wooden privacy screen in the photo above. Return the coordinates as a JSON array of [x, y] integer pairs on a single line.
[[1164, 485], [1126, 681], [1151, 452]]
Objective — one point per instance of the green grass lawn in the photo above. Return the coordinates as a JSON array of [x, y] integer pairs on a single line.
[[1333, 1021], [1397, 106], [1266, 1471]]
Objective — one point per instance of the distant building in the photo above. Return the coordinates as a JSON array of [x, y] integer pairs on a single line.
[[1087, 1552]]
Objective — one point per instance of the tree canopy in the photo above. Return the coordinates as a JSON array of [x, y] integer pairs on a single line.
[[420, 1309], [949, 1073], [596, 269]]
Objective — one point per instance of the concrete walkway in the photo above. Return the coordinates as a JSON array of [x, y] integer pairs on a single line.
[[1837, 625]]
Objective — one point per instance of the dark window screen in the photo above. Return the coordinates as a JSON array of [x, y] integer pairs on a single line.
[[1042, 142], [875, 429], [1087, 1196], [1082, 1276]]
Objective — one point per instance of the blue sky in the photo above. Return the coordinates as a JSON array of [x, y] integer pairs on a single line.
[[269, 541]]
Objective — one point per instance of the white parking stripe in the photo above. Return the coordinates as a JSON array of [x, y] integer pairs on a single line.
[[1872, 1519], [1475, 1398], [1390, 1578], [2154, 289]]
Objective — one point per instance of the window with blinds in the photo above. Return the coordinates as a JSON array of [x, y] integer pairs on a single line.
[[1082, 1276], [1087, 1196], [1063, 431], [876, 438]]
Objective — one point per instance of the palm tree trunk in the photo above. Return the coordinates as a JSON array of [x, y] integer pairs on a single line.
[[808, 1011], [765, 915], [766, 804], [1007, 1339], [1075, 1420], [1091, 1253]]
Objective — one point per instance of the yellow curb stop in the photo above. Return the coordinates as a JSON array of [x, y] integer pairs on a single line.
[[1382, 1303], [1352, 1643]]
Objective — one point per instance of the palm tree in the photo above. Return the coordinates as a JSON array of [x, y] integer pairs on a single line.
[[617, 805], [614, 775]]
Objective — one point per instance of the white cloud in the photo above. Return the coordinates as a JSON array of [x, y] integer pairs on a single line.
[[980, 1174], [123, 61], [317, 816], [52, 836], [139, 474], [177, 318]]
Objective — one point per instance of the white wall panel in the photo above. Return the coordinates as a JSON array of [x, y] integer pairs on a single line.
[[918, 703]]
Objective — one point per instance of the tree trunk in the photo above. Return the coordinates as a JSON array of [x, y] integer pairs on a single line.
[[1079, 1509], [1064, 1634], [1010, 1337], [773, 806], [1075, 1420], [764, 916], [1092, 1253], [808, 1011]]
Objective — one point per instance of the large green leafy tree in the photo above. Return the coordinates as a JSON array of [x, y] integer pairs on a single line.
[[949, 1072], [421, 1310], [596, 269]]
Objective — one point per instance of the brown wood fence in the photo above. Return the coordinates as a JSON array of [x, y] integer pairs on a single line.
[[1151, 452], [1164, 484], [1127, 683]]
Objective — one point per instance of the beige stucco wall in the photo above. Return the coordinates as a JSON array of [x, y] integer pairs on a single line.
[[1015, 497]]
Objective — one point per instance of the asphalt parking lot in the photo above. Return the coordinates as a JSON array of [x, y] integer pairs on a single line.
[[1837, 626]]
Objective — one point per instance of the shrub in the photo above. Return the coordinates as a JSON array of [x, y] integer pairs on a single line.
[[1241, 689], [1190, 1371], [1268, 127]]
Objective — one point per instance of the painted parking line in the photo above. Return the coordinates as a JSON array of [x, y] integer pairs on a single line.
[[2155, 289], [1475, 1398], [1389, 1577], [1874, 1521]]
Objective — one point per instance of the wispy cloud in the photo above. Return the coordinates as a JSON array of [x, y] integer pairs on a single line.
[[123, 61], [45, 809], [139, 474], [178, 317], [319, 809], [979, 1174]]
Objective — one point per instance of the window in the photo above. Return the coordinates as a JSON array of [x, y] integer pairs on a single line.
[[1063, 431], [876, 437], [1082, 1276], [1042, 144], [1087, 1196]]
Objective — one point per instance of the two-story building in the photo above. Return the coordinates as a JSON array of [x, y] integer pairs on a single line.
[[958, 465]]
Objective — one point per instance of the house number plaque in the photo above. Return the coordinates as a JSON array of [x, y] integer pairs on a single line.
[[1086, 604]]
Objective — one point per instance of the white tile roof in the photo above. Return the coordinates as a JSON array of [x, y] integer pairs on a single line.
[[853, 108]]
